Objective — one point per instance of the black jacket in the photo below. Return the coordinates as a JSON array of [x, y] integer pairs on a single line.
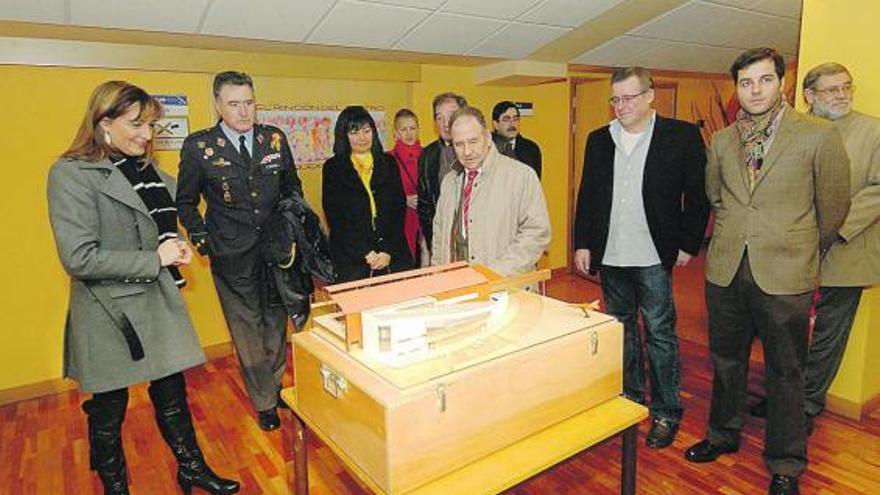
[[673, 191], [526, 151], [347, 208], [429, 187], [239, 198], [294, 248]]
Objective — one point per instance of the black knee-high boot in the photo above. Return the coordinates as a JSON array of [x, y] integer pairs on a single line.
[[106, 412], [175, 423]]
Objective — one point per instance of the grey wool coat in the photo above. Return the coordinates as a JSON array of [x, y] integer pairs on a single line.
[[104, 233]]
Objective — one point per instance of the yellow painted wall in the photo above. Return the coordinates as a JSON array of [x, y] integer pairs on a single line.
[[842, 31], [549, 127], [46, 103], [49, 104]]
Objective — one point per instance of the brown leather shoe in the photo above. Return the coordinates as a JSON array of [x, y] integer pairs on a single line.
[[662, 433]]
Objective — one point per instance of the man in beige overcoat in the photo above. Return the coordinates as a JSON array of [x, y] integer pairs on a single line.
[[778, 183], [853, 261], [491, 209]]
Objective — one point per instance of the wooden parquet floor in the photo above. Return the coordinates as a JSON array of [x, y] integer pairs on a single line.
[[43, 448]]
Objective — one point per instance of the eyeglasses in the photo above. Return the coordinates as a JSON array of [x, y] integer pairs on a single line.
[[624, 99], [362, 131], [845, 90]]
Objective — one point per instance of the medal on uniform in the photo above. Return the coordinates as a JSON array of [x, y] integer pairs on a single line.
[[227, 195], [221, 142]]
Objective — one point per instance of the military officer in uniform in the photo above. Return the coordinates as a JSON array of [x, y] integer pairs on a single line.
[[241, 169]]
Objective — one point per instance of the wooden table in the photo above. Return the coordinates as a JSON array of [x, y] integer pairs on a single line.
[[510, 465]]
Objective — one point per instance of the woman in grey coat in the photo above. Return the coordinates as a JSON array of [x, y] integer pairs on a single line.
[[115, 228]]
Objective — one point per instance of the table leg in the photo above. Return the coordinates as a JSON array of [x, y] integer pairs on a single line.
[[628, 463], [300, 461]]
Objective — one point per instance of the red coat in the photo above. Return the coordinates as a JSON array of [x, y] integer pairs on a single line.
[[407, 158]]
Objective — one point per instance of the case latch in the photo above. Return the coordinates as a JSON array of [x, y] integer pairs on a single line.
[[594, 343], [334, 383], [441, 397]]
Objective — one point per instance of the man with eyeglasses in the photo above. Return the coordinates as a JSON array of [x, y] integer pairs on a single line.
[[434, 163], [642, 210], [779, 186], [508, 139], [853, 261]]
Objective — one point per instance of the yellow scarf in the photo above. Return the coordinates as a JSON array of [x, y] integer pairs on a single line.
[[363, 165]]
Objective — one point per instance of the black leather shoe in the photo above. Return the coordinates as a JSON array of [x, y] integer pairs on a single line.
[[662, 433], [269, 419], [705, 451], [784, 485], [759, 409]]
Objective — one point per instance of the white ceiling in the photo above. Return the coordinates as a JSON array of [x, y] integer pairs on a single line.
[[704, 35], [699, 35]]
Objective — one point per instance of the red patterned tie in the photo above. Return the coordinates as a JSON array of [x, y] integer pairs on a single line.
[[468, 188]]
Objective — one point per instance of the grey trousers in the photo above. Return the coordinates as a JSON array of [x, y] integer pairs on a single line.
[[258, 329], [835, 313], [736, 314]]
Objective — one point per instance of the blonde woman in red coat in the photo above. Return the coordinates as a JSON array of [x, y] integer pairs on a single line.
[[406, 152]]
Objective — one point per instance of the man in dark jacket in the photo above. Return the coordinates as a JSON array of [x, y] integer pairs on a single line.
[[241, 169], [642, 209], [509, 141], [435, 162]]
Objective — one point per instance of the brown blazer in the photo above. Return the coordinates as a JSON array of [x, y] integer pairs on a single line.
[[799, 202]]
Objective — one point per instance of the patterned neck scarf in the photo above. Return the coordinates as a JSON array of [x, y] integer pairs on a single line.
[[756, 133]]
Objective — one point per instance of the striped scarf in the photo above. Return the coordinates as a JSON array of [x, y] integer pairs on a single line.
[[151, 189]]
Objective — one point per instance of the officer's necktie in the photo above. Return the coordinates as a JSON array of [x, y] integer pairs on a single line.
[[242, 149]]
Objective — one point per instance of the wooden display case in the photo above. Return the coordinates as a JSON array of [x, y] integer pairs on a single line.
[[404, 427]]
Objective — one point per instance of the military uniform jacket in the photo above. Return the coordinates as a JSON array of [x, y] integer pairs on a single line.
[[104, 234], [799, 202], [240, 198]]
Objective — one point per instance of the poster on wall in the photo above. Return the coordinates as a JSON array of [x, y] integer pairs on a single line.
[[173, 127], [309, 128]]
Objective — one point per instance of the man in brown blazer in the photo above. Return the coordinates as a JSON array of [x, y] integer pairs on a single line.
[[778, 183]]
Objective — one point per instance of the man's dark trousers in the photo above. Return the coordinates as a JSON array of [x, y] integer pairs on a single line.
[[736, 314], [835, 314], [258, 329]]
